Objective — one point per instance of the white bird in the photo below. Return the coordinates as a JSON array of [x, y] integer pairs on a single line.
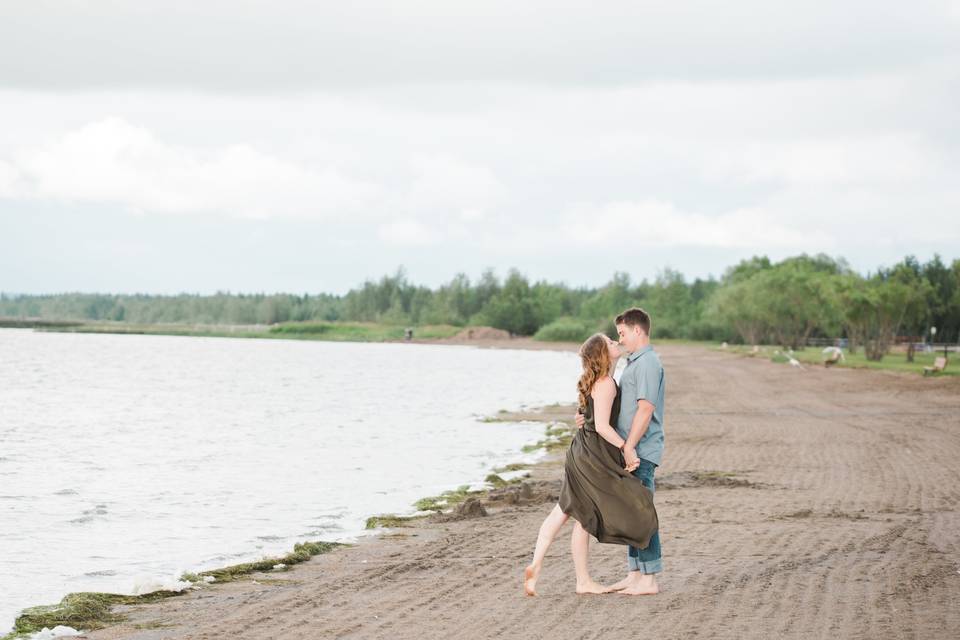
[[835, 353]]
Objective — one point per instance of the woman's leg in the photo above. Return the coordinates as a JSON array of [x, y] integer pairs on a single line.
[[580, 548], [548, 531]]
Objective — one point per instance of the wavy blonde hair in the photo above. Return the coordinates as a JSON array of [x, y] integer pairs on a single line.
[[595, 358]]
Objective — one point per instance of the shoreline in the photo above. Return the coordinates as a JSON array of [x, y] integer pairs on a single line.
[[77, 609], [444, 336]]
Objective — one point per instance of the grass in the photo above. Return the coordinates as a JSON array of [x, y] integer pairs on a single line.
[[21, 323], [565, 330], [896, 361], [90, 610], [359, 331], [331, 331]]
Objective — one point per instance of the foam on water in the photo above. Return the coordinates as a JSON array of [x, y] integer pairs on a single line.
[[125, 460]]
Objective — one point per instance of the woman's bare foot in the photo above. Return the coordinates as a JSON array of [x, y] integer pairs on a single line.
[[591, 587], [530, 580]]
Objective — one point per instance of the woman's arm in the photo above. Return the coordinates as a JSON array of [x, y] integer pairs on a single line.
[[603, 394]]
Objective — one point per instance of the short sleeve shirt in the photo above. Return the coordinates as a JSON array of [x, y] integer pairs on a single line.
[[643, 379]]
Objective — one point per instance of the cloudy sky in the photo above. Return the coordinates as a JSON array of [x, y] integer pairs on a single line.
[[304, 146]]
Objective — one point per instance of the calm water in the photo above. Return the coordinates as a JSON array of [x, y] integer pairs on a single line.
[[126, 460]]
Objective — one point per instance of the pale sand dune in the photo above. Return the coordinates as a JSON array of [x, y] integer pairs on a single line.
[[842, 521]]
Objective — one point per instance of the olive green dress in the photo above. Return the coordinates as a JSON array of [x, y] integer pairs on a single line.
[[609, 502]]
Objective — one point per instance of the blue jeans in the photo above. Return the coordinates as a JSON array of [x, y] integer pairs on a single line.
[[646, 560]]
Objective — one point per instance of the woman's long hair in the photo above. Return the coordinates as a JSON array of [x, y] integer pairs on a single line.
[[596, 363]]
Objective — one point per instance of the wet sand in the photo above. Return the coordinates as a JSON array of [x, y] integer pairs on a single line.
[[815, 503]]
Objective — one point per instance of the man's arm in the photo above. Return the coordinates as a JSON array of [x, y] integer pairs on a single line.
[[641, 420], [638, 427]]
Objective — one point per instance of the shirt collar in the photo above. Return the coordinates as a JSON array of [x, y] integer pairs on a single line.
[[639, 352]]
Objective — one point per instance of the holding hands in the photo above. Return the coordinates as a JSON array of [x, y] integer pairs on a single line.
[[630, 459]]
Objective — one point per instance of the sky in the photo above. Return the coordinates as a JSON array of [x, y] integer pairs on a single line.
[[163, 147]]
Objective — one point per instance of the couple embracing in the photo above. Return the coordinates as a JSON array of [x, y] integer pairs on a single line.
[[608, 474]]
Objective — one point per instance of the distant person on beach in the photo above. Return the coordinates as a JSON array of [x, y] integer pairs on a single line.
[[599, 491], [640, 421]]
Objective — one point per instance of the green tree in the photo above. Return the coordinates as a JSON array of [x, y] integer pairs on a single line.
[[513, 308], [737, 305], [875, 308]]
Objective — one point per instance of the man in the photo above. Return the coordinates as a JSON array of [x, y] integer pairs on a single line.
[[641, 424]]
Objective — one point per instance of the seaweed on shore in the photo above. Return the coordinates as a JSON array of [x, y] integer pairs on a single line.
[[445, 499], [558, 437], [496, 480], [88, 610], [513, 466], [302, 551], [82, 610], [390, 521]]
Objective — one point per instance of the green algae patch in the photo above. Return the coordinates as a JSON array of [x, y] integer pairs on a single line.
[[446, 499], [558, 437], [390, 521], [302, 551], [499, 483], [83, 610], [496, 480], [89, 610], [513, 466]]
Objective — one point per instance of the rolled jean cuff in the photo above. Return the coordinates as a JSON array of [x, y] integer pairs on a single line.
[[644, 566]]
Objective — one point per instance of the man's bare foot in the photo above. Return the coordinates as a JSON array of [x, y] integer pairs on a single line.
[[644, 585], [592, 587], [530, 580], [623, 584]]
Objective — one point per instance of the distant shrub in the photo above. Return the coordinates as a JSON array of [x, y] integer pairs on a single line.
[[564, 330]]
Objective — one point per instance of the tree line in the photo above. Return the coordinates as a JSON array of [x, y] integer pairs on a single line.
[[755, 301]]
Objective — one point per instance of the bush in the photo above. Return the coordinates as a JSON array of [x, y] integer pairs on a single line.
[[564, 330]]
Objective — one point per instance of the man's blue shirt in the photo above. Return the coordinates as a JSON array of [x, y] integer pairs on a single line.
[[643, 379]]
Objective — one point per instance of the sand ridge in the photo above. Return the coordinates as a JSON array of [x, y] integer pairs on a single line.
[[815, 504]]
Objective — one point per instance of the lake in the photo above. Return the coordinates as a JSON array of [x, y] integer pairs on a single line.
[[126, 460]]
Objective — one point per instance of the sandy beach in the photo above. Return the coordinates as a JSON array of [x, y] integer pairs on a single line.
[[793, 503]]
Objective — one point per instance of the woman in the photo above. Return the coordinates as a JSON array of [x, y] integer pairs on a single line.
[[598, 492]]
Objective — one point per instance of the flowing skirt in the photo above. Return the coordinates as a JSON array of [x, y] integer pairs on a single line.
[[609, 502]]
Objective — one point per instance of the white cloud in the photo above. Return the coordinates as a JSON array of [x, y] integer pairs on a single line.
[[113, 161], [653, 223], [407, 232], [881, 158], [8, 178], [445, 185], [184, 43], [484, 174]]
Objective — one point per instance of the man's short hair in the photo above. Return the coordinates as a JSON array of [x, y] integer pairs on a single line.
[[635, 317]]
